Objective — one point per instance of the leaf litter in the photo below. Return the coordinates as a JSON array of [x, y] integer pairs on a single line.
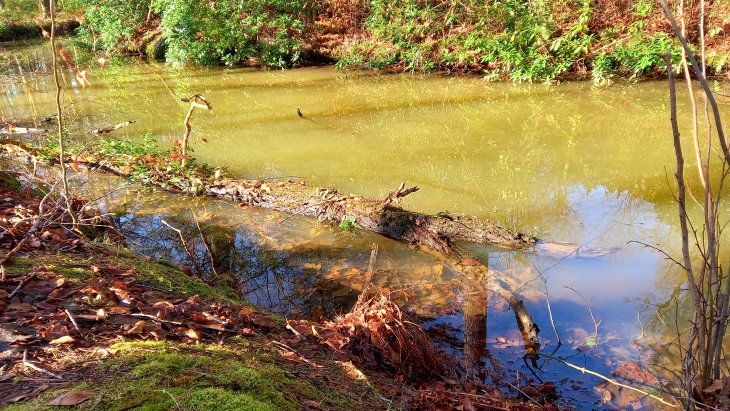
[[60, 325]]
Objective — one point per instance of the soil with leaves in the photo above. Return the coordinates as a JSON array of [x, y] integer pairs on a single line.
[[89, 324]]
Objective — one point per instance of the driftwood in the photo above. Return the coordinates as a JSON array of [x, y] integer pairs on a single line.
[[196, 101], [112, 128]]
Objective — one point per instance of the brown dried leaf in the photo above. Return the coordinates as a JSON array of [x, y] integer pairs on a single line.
[[310, 405], [716, 385], [73, 398], [138, 328], [247, 332], [66, 339]]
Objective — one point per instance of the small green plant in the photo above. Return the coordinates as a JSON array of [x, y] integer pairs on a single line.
[[348, 224]]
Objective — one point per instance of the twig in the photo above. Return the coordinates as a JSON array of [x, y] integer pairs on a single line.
[[196, 101], [33, 228], [371, 264], [112, 128], [700, 76], [59, 113], [73, 320], [523, 393], [590, 311], [22, 284], [395, 195], [177, 405], [638, 317], [37, 368], [609, 379], [185, 246], [669, 257], [206, 245], [14, 251]]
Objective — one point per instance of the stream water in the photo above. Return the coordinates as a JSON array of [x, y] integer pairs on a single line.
[[569, 163]]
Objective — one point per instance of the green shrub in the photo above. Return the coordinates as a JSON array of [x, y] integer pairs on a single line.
[[111, 23], [231, 31]]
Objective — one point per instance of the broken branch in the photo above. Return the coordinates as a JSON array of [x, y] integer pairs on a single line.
[[112, 128], [395, 196]]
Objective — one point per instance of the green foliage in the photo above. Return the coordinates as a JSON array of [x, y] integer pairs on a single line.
[[232, 31], [348, 224], [642, 55], [511, 38], [114, 148], [537, 40], [111, 23], [13, 10]]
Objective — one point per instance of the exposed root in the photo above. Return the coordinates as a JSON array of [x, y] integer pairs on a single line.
[[378, 332]]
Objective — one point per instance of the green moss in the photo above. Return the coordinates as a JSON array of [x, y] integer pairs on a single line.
[[241, 375], [75, 268], [219, 399]]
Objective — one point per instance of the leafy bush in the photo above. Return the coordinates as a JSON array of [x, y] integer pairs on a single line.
[[232, 31], [538, 40], [263, 32], [111, 23]]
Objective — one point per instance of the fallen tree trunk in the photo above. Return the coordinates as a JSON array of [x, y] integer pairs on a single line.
[[431, 231]]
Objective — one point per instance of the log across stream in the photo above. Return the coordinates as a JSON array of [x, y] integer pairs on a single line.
[[436, 234]]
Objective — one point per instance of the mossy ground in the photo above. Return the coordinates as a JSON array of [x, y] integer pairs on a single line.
[[236, 374], [157, 274]]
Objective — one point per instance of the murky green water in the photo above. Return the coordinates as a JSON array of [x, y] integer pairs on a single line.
[[569, 163]]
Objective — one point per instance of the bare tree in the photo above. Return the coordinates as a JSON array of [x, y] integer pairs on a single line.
[[59, 116], [709, 286]]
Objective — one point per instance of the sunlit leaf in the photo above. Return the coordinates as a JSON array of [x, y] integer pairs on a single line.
[[138, 328], [66, 339]]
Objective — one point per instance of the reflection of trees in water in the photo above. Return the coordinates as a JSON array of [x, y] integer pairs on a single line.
[[277, 280]]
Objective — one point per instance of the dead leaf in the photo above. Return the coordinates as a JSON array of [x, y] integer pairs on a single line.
[[310, 405], [66, 339], [192, 334], [247, 332], [65, 56], [138, 328], [605, 395], [717, 385], [30, 394], [73, 398]]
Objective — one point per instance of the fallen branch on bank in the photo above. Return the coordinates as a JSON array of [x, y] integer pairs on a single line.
[[104, 130]]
